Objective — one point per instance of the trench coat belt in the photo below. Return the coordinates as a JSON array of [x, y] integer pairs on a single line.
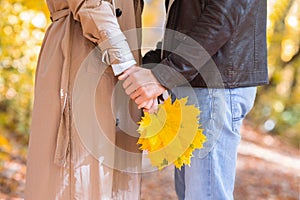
[[63, 141]]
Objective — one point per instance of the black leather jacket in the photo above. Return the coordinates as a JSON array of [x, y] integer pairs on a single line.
[[216, 43]]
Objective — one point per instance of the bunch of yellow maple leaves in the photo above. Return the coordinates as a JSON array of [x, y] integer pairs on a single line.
[[171, 134]]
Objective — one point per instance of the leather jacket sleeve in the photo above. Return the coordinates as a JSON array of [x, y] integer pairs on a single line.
[[100, 25], [213, 29]]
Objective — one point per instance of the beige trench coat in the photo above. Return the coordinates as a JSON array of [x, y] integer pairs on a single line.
[[76, 151]]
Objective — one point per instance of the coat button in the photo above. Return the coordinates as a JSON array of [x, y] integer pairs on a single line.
[[117, 122], [118, 12]]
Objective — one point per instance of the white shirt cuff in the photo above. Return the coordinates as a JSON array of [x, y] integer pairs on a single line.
[[121, 67]]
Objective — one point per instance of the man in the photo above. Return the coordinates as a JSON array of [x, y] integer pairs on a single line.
[[219, 48]]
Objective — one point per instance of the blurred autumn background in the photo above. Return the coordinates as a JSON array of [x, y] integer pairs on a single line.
[[269, 164]]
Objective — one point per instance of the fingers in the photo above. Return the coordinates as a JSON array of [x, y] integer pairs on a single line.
[[132, 88], [155, 104], [153, 107], [127, 72], [144, 93], [141, 95], [131, 83], [140, 102], [136, 93], [147, 104], [123, 76], [128, 81]]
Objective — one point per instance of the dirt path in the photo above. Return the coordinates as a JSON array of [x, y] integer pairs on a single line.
[[267, 169]]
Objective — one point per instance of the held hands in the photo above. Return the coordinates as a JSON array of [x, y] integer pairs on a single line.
[[142, 87]]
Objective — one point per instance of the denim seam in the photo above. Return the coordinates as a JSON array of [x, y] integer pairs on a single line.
[[213, 106], [210, 194]]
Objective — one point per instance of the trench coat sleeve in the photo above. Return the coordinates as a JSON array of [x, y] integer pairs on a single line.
[[100, 25]]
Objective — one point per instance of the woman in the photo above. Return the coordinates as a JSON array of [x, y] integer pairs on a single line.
[[69, 158]]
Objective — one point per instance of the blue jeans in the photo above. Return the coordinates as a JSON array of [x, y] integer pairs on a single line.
[[211, 174]]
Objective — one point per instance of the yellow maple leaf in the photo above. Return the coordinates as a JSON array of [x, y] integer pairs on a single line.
[[171, 134]]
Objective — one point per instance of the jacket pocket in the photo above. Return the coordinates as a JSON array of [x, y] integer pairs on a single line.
[[242, 101]]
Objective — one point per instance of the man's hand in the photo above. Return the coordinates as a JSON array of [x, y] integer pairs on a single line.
[[141, 85]]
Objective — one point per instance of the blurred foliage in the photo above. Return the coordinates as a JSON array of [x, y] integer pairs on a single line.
[[22, 28], [277, 108], [151, 20]]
